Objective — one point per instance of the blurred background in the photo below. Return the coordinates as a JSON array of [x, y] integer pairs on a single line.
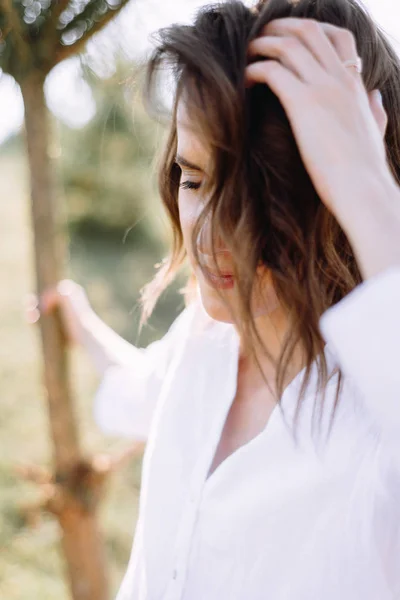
[[102, 147]]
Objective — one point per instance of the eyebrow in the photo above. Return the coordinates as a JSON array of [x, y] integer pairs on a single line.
[[182, 162]]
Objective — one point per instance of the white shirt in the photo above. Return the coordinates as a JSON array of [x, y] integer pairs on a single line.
[[278, 519]]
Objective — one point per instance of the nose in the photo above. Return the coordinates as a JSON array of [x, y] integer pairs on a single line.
[[204, 240]]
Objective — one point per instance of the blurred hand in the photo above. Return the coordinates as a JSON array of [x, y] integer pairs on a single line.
[[72, 301]]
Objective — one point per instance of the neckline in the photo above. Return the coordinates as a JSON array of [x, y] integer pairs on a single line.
[[293, 386]]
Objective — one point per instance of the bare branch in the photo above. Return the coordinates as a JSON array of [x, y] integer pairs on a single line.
[[90, 13], [14, 29], [64, 52], [34, 473], [50, 27], [106, 463], [58, 7]]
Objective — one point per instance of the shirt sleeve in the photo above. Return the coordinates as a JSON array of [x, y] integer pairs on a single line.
[[363, 331], [133, 585], [127, 395]]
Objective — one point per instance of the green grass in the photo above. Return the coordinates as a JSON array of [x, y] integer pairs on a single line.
[[31, 566]]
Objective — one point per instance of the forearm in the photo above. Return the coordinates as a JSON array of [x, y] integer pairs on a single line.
[[363, 332], [371, 221], [104, 346]]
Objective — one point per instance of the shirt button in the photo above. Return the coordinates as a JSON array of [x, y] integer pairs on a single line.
[[174, 574]]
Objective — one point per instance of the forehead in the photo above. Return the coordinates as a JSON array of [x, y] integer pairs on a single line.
[[182, 117], [189, 140]]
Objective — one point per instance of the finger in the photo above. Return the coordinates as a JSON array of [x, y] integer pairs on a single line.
[[32, 316], [378, 110], [66, 287], [30, 301], [31, 308], [291, 53], [280, 79], [329, 44], [344, 43], [49, 300]]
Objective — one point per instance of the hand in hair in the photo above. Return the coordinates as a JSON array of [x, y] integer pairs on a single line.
[[339, 127]]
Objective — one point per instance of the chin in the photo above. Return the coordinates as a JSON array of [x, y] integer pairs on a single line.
[[213, 305]]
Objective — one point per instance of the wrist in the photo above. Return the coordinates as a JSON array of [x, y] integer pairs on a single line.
[[367, 198], [85, 325], [371, 220]]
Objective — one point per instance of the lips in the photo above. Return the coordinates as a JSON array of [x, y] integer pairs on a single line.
[[220, 275], [225, 281]]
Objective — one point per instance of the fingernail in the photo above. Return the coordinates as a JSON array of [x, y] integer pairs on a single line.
[[33, 317], [42, 305]]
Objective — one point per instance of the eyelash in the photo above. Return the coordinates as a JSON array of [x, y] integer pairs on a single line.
[[190, 185]]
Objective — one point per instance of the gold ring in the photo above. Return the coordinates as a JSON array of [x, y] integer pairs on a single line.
[[355, 63]]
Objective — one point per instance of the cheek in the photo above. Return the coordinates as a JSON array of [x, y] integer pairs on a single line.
[[188, 215], [265, 299]]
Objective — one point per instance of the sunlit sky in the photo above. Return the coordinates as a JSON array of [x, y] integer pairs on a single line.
[[70, 98]]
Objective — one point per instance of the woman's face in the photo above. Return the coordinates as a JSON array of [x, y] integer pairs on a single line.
[[192, 157]]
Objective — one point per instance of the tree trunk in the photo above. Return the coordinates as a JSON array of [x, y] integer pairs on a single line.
[[81, 542]]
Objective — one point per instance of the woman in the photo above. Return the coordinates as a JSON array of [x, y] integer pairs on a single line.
[[271, 409]]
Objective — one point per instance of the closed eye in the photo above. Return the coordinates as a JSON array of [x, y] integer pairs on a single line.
[[190, 185]]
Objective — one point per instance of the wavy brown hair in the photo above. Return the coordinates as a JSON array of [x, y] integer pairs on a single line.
[[260, 198]]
